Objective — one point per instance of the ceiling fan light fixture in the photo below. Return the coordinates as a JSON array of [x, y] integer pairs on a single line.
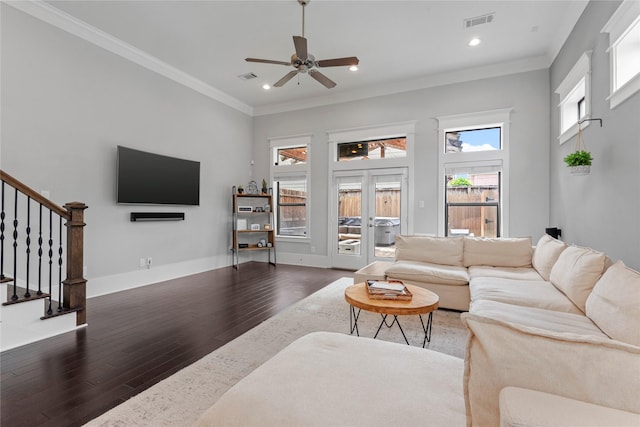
[[353, 68]]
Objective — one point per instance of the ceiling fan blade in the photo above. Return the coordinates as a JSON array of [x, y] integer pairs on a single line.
[[326, 81], [338, 62], [301, 47], [286, 78], [267, 61]]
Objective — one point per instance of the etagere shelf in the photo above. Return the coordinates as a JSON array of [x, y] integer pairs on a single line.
[[253, 225]]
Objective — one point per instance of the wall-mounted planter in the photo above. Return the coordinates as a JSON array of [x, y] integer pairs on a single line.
[[580, 170]]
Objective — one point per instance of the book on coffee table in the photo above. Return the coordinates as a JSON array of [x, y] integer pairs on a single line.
[[388, 289]]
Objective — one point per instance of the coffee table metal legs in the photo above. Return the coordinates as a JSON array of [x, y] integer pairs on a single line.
[[353, 325]]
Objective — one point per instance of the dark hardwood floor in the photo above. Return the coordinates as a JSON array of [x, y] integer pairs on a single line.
[[138, 337]]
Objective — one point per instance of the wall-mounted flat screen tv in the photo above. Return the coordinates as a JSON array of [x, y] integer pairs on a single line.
[[147, 178]]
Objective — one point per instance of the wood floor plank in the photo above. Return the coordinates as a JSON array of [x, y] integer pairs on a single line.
[[138, 337]]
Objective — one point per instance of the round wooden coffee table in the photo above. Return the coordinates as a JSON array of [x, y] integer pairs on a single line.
[[423, 302]]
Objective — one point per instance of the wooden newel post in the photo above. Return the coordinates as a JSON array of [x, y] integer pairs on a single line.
[[75, 289]]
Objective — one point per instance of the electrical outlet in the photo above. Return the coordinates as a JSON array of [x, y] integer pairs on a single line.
[[143, 262], [149, 262]]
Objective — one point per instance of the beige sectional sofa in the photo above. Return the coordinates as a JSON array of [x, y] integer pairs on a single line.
[[554, 339]]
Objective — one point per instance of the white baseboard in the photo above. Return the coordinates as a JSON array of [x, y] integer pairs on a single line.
[[97, 286], [307, 260]]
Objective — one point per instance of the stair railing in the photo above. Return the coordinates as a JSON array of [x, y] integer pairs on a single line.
[[71, 292]]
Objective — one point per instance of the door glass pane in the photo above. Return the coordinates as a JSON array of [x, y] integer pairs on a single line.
[[349, 218], [387, 218], [473, 204]]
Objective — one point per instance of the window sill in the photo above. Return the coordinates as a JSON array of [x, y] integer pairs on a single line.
[[572, 131], [287, 239], [624, 92]]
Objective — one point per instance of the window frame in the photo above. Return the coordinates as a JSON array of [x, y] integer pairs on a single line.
[[574, 87], [623, 20], [295, 172], [278, 205], [474, 160]]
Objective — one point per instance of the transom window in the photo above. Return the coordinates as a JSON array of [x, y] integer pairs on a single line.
[[575, 98], [290, 155], [375, 149], [624, 51], [466, 141]]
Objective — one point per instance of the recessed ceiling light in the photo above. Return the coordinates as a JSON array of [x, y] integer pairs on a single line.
[[353, 68], [474, 42], [266, 86]]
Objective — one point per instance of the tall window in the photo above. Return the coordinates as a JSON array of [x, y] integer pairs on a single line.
[[474, 163], [290, 176], [624, 51], [575, 98], [292, 207]]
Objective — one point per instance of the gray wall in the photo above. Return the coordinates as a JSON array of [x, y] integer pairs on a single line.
[[528, 95], [67, 104], [602, 209]]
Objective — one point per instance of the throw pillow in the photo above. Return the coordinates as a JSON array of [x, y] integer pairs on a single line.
[[576, 272], [498, 252], [436, 250], [546, 254], [614, 304]]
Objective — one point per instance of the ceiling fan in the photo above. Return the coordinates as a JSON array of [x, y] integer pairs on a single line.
[[304, 62]]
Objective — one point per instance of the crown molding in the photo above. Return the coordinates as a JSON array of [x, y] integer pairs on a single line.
[[62, 20], [433, 80]]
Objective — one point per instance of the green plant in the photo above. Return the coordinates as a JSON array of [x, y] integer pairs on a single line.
[[460, 182], [240, 189], [578, 158], [264, 184]]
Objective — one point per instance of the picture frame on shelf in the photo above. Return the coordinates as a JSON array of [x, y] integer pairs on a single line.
[[255, 227]]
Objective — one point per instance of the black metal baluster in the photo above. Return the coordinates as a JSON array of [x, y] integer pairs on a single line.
[[2, 214], [60, 264], [40, 251], [15, 246], [27, 294], [50, 311]]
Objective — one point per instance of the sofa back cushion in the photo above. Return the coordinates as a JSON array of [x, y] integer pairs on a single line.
[[546, 254], [436, 250], [576, 272], [614, 304], [498, 252]]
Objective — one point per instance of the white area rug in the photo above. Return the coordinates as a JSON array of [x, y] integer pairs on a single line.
[[180, 399]]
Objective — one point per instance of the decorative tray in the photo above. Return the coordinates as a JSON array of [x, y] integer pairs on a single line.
[[388, 289]]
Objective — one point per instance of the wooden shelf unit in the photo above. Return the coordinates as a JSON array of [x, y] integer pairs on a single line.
[[244, 211]]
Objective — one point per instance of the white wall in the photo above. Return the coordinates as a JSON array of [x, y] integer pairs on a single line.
[[66, 104], [602, 209], [528, 95]]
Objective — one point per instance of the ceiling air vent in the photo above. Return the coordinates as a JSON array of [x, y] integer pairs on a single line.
[[479, 20], [247, 76]]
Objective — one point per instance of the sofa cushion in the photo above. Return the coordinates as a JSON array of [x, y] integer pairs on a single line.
[[332, 379], [546, 254], [548, 320], [499, 252], [520, 407], [426, 272], [576, 272], [436, 250], [516, 273], [528, 293], [614, 303]]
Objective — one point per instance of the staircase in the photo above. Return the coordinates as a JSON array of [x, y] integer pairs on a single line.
[[36, 302]]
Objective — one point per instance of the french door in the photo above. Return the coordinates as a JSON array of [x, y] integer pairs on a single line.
[[369, 208]]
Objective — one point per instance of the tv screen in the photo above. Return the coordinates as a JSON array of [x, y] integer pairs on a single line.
[[147, 178]]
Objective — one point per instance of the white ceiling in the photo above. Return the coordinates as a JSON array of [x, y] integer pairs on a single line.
[[402, 45]]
